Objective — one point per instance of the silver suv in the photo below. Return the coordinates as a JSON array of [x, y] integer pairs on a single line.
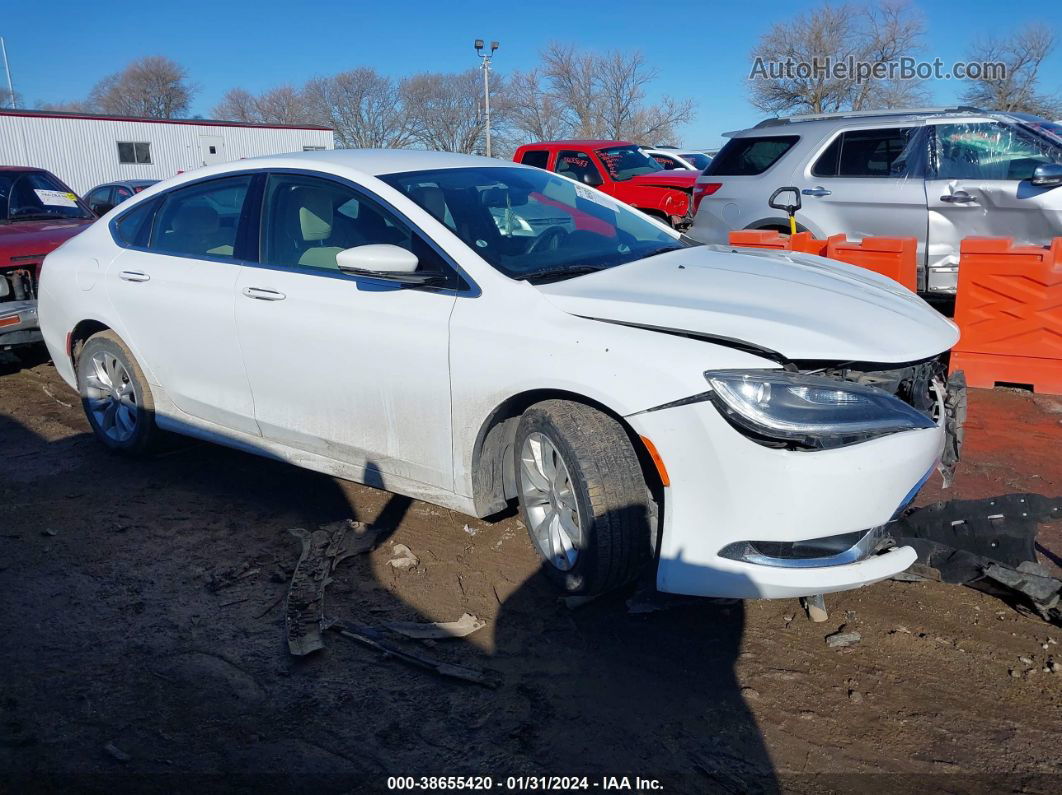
[[937, 174]]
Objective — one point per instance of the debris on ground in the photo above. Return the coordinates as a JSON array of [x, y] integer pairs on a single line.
[[117, 752], [650, 600], [371, 637], [841, 639], [987, 544], [322, 551], [465, 625], [470, 530], [816, 608], [403, 557]]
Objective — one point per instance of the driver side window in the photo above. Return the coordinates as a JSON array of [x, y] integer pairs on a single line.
[[987, 150], [578, 166], [307, 221]]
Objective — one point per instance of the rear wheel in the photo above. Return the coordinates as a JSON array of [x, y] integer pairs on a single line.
[[115, 395], [583, 498]]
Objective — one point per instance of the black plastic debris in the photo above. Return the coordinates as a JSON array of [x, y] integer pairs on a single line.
[[987, 544]]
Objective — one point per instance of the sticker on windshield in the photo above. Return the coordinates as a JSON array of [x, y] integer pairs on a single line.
[[591, 195], [56, 198]]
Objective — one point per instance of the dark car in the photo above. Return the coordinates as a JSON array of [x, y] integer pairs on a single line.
[[103, 198], [37, 214]]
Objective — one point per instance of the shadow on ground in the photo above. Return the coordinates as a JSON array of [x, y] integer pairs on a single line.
[[144, 643]]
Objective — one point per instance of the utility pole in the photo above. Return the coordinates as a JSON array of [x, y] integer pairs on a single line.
[[485, 59], [7, 71]]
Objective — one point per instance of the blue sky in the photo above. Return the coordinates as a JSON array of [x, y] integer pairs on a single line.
[[59, 49]]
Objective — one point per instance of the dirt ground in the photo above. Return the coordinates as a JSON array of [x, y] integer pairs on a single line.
[[143, 642]]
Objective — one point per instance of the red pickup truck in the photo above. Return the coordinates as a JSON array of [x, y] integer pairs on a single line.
[[622, 170], [37, 214]]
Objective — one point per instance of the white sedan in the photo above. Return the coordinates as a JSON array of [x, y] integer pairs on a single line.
[[474, 332]]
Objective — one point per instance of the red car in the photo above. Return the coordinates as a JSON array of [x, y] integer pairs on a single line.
[[622, 170], [37, 214]]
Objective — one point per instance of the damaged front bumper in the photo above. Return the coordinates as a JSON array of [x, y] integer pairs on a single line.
[[749, 521]]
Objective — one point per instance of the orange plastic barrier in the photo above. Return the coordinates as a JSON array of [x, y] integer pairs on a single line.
[[1009, 311], [768, 238], [895, 257], [759, 238]]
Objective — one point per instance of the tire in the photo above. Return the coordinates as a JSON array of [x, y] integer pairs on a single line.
[[612, 516], [126, 423]]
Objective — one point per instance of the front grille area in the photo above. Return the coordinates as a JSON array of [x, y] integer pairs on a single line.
[[18, 283]]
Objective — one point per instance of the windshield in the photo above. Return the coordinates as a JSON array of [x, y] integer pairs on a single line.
[[530, 224], [697, 160], [36, 195], [624, 162]]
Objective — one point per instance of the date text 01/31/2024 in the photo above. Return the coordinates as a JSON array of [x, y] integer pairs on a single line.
[[525, 783]]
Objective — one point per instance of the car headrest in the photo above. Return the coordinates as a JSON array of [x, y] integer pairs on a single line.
[[196, 220], [315, 212], [432, 199]]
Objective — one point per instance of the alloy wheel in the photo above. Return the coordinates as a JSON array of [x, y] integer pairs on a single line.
[[110, 397], [549, 500]]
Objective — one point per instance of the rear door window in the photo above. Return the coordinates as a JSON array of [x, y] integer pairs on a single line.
[[745, 157], [539, 158], [868, 153], [202, 219]]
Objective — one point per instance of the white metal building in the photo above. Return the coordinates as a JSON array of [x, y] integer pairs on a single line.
[[86, 150]]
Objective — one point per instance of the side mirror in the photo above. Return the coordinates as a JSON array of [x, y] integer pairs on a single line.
[[1047, 175], [384, 261], [593, 179]]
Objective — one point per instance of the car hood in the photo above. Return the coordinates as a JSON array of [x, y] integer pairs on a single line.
[[676, 178], [796, 305], [36, 238]]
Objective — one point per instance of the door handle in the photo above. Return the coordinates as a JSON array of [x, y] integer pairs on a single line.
[[134, 276], [818, 190], [958, 197], [263, 294]]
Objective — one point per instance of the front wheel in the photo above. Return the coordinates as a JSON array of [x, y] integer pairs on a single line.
[[583, 497], [115, 395]]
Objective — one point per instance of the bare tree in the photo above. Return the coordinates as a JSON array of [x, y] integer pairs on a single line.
[[153, 87], [364, 108], [282, 105], [532, 109], [837, 57], [1017, 89], [9, 99], [446, 109], [592, 95]]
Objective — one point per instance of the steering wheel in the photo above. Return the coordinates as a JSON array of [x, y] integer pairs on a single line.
[[549, 240]]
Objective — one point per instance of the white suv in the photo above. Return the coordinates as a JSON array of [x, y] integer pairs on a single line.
[[937, 175]]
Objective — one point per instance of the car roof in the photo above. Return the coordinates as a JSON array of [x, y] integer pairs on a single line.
[[380, 161], [827, 121], [593, 143], [23, 168]]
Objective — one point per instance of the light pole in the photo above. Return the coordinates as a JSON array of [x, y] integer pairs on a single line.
[[7, 71], [485, 58]]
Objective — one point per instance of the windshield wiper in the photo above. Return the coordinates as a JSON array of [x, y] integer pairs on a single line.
[[561, 273], [661, 250], [44, 217]]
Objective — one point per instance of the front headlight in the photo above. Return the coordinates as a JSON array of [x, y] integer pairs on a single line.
[[809, 410]]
